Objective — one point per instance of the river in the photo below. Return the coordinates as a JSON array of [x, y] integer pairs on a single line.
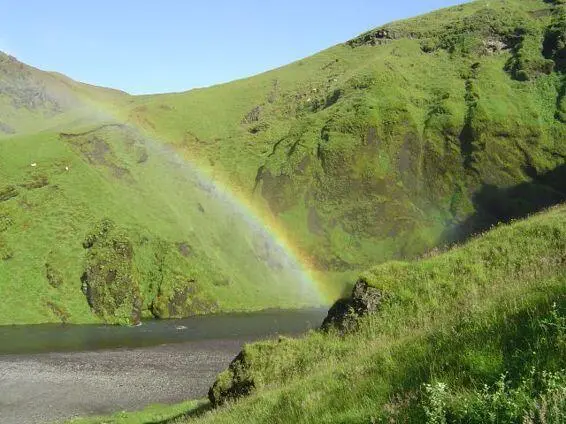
[[54, 372]]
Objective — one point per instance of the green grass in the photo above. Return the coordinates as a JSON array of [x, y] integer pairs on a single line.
[[360, 151], [372, 150], [474, 335], [156, 206], [152, 414], [368, 155]]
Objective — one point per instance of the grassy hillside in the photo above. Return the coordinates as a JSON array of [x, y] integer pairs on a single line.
[[476, 334], [378, 148], [473, 335], [408, 137], [32, 100], [134, 228]]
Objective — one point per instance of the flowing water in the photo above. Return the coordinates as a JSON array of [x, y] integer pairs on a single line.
[[45, 338]]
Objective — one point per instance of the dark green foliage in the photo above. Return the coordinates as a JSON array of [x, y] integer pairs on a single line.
[[554, 46], [527, 61]]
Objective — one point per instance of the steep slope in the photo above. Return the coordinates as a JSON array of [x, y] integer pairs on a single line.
[[100, 221], [473, 335], [408, 137], [386, 145], [106, 216], [32, 100]]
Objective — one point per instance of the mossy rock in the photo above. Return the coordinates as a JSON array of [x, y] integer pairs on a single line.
[[233, 383], [109, 280], [180, 298]]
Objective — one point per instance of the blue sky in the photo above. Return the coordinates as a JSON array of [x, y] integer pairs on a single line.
[[149, 46]]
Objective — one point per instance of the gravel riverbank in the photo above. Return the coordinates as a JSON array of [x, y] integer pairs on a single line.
[[47, 387]]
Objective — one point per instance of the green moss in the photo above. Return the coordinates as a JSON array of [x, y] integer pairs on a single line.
[[6, 253], [54, 277], [109, 282]]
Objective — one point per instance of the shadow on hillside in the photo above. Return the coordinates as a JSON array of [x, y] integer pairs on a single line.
[[193, 413], [495, 205]]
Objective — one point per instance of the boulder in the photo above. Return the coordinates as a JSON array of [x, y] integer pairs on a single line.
[[365, 298], [233, 383], [239, 380], [344, 314]]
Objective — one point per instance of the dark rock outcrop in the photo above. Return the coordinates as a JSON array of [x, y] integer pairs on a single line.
[[375, 37], [109, 280], [343, 315]]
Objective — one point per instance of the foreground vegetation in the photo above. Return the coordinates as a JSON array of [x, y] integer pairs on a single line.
[[150, 414], [476, 334]]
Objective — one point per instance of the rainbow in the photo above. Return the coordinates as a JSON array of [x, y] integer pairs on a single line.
[[268, 223], [255, 216]]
